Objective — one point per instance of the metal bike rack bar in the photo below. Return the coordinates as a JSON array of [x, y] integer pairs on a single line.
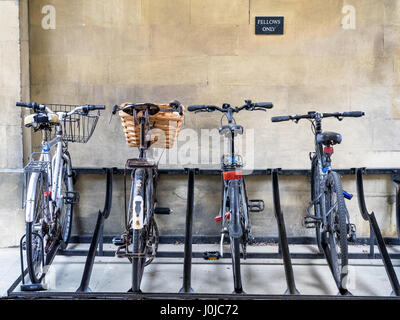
[[97, 234], [283, 243], [187, 262], [370, 217], [396, 180]]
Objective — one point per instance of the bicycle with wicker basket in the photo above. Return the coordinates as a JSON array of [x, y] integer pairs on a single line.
[[50, 194], [144, 125]]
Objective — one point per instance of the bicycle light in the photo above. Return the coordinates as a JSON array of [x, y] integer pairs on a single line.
[[328, 150]]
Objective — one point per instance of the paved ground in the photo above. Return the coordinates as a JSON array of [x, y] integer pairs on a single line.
[[260, 276]]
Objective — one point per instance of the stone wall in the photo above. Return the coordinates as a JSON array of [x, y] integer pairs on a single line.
[[206, 52]]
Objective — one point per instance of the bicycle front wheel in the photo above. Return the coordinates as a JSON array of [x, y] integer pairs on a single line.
[[337, 230], [36, 227]]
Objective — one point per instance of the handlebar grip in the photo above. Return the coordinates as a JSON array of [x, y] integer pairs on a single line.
[[94, 107], [280, 118], [353, 114], [30, 105], [267, 105], [196, 107]]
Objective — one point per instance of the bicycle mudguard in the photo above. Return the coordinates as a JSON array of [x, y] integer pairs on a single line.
[[136, 206], [235, 229]]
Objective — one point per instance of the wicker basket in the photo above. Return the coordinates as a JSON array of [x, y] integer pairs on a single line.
[[164, 128]]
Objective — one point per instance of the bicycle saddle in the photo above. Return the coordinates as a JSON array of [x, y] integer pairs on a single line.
[[129, 107], [329, 138], [231, 128]]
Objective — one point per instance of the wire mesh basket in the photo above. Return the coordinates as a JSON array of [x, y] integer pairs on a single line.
[[78, 127]]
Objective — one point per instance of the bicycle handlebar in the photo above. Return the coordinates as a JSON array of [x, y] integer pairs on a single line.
[[248, 106], [198, 107], [95, 107], [41, 107], [312, 115]]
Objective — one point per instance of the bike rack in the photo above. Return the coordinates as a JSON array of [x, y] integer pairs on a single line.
[[283, 242], [376, 233], [396, 180], [97, 235], [186, 292], [187, 261]]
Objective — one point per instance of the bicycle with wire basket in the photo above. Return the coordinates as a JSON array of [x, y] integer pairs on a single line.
[[144, 125], [50, 194], [233, 215], [330, 218]]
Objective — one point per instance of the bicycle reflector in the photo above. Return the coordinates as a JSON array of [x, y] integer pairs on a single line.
[[232, 175], [328, 150]]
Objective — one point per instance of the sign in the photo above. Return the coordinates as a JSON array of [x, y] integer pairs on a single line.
[[269, 25]]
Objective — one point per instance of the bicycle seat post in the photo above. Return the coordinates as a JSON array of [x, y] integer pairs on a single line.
[[143, 146]]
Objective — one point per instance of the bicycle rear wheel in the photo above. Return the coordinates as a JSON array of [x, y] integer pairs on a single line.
[[236, 233], [37, 228], [137, 205], [337, 231], [64, 218], [315, 191]]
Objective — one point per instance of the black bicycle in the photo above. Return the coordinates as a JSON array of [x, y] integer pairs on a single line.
[[330, 217], [139, 243], [235, 205]]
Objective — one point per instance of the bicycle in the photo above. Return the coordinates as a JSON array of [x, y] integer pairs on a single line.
[[141, 231], [233, 215], [330, 219], [50, 194]]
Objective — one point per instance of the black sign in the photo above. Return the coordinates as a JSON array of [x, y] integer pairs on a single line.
[[269, 25]]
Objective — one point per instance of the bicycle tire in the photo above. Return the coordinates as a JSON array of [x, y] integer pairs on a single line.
[[235, 240], [66, 226], [137, 262], [314, 194], [33, 242], [337, 235], [235, 253], [138, 247]]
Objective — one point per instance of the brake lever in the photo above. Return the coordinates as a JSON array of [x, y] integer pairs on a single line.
[[260, 109], [113, 112]]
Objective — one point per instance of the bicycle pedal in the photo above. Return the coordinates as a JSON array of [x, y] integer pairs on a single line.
[[118, 241], [347, 195], [309, 222], [159, 210], [71, 197], [211, 255], [256, 205], [34, 287], [251, 240]]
